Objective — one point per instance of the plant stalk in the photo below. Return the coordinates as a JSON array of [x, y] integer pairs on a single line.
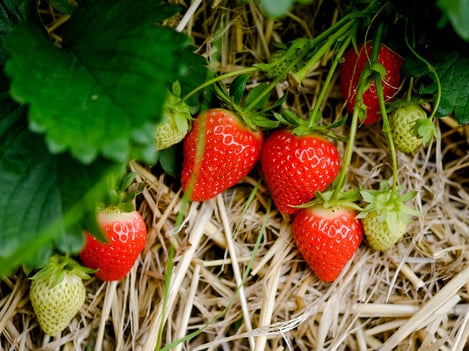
[[379, 92], [330, 74]]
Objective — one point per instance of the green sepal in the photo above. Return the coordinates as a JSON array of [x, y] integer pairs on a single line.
[[425, 128], [378, 68], [254, 94], [237, 88], [56, 268], [389, 205], [346, 199]]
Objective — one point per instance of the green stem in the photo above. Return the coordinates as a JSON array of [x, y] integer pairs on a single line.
[[327, 81], [332, 35], [379, 92], [219, 78], [270, 87], [347, 159], [409, 91], [300, 75]]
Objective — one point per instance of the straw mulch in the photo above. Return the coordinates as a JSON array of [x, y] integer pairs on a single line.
[[238, 282]]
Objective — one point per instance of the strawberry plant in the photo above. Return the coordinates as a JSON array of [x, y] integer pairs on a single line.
[[115, 84]]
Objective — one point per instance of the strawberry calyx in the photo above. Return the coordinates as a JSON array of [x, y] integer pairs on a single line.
[[251, 106], [389, 206], [327, 199], [300, 126], [122, 193], [57, 267]]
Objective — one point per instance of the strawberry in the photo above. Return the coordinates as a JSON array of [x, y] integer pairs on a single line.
[[327, 238], [410, 127], [174, 123], [350, 72], [295, 167], [126, 233], [386, 217], [228, 150], [57, 293]]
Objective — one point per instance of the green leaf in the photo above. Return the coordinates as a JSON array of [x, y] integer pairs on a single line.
[[29, 201], [254, 94], [457, 12], [171, 160], [107, 81], [64, 6], [13, 12], [238, 87], [45, 200], [453, 70]]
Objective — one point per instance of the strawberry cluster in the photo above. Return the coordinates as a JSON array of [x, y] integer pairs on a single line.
[[300, 163]]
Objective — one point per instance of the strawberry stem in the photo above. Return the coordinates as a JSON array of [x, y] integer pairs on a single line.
[[320, 52], [327, 81], [270, 87], [348, 157], [219, 78], [379, 92]]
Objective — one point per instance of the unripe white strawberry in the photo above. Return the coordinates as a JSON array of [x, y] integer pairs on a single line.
[[57, 293]]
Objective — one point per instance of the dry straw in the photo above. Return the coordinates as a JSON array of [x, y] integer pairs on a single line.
[[237, 281]]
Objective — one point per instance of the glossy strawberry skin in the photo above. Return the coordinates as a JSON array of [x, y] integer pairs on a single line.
[[327, 239], [126, 233], [351, 70], [295, 167], [230, 153]]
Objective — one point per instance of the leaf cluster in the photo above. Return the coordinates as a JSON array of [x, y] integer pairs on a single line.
[[73, 115]]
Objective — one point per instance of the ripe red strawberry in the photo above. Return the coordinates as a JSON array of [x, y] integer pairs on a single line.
[[351, 70], [230, 152], [126, 233], [296, 167], [327, 238]]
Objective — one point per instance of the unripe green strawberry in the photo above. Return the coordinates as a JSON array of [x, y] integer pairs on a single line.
[[402, 123], [378, 233], [174, 123], [386, 217], [57, 293]]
